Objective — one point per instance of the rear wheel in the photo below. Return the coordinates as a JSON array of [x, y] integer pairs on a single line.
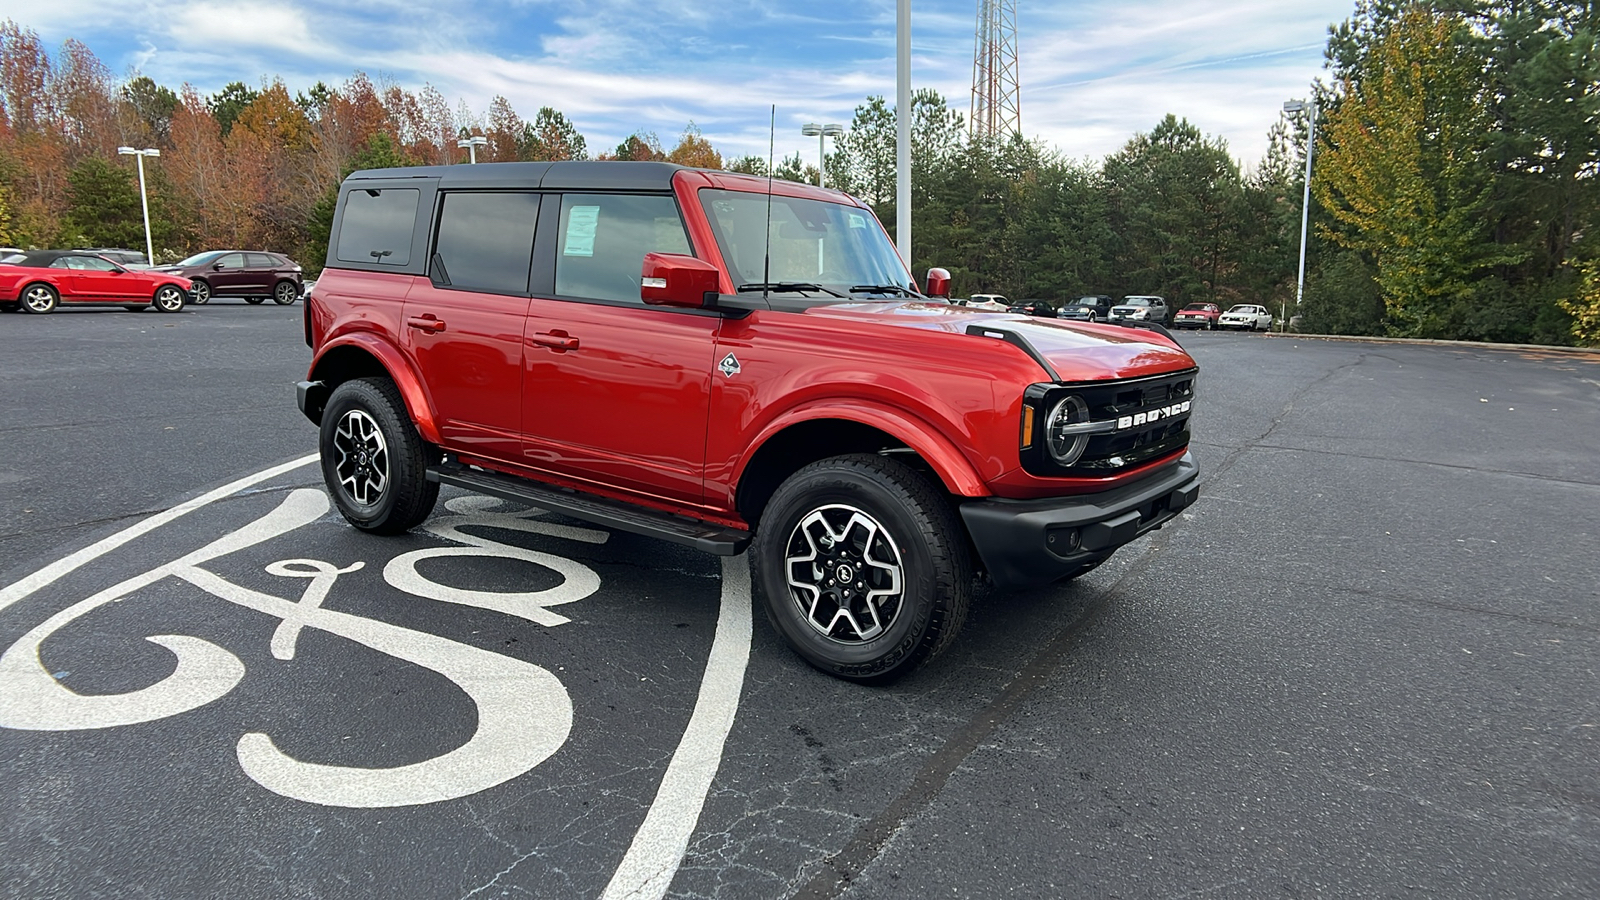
[[285, 293], [862, 567], [40, 298], [169, 299], [373, 461]]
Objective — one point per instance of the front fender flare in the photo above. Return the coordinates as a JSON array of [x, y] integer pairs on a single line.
[[942, 455]]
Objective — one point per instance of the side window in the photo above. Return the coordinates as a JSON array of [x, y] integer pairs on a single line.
[[230, 261], [64, 262], [377, 226], [603, 240], [485, 242], [260, 261], [97, 264]]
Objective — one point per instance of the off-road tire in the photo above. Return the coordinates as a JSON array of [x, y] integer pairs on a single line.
[[406, 496], [936, 570]]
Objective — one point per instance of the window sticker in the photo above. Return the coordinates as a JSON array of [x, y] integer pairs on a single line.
[[581, 222], [857, 221]]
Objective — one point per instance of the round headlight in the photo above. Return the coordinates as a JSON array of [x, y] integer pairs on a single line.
[[1065, 442]]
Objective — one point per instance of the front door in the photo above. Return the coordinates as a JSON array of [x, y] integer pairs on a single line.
[[227, 275], [464, 323], [615, 393]]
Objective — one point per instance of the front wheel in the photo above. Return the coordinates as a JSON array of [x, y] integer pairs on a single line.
[[373, 461], [169, 299], [285, 293], [40, 298], [202, 292], [862, 567]]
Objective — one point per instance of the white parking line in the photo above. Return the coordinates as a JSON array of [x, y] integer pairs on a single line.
[[17, 591], [658, 847]]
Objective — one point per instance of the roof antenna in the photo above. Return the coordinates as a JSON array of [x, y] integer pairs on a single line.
[[766, 261]]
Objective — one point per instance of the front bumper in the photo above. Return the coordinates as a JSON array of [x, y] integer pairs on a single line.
[[1029, 542]]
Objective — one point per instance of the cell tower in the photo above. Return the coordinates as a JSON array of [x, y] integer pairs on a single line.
[[996, 90]]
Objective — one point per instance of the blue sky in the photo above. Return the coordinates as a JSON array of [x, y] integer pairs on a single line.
[[1093, 72]]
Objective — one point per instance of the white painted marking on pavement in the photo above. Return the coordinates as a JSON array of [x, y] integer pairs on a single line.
[[20, 590], [658, 847]]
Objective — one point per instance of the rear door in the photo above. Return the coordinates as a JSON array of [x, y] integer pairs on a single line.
[[615, 393], [464, 323], [259, 269]]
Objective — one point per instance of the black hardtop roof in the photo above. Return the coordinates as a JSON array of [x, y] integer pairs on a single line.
[[586, 175]]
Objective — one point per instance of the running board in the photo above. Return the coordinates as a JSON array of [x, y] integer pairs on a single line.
[[706, 536]]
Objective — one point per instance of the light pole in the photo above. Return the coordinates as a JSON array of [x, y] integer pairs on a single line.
[[902, 174], [471, 145], [139, 155], [1294, 106], [822, 133]]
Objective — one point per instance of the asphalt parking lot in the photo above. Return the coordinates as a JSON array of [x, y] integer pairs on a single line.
[[1363, 665]]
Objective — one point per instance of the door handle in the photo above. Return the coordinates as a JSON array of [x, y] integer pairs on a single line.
[[558, 341], [426, 323]]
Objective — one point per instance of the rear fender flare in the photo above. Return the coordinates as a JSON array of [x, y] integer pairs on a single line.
[[394, 364]]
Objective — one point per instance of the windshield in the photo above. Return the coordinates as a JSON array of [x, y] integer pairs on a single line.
[[1199, 306], [832, 245], [1135, 301], [200, 258], [1243, 309]]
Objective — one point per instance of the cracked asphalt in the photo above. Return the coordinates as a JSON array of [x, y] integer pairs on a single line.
[[1364, 664]]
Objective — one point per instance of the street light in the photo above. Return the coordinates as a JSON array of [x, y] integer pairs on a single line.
[[149, 246], [471, 145], [822, 133], [1294, 106]]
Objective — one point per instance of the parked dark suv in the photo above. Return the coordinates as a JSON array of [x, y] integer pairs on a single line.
[[731, 364], [251, 274]]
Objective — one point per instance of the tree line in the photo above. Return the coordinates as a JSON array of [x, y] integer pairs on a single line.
[[1454, 191]]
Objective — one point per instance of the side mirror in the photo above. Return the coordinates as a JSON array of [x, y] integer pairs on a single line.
[[216, 267], [672, 279], [938, 283]]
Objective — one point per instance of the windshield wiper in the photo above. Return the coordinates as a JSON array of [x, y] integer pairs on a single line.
[[788, 287], [882, 289]]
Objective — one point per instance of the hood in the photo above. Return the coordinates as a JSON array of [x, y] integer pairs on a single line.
[[1078, 351]]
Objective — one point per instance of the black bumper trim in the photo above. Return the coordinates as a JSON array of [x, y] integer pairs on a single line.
[[1029, 542], [312, 396]]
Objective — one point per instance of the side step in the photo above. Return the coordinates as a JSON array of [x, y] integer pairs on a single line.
[[706, 536]]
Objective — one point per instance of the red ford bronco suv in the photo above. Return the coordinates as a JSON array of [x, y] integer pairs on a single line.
[[680, 353]]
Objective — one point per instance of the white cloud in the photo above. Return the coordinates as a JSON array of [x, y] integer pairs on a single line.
[[236, 26]]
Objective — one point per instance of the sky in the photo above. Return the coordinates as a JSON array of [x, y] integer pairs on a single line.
[[1093, 72]]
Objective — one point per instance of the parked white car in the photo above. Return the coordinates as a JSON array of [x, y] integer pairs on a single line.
[[1247, 317]]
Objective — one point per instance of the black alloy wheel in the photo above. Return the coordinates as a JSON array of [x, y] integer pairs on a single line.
[[862, 567], [285, 293], [169, 299], [201, 292], [373, 461], [40, 298]]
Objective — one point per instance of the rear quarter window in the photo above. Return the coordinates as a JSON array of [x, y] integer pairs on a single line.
[[377, 225]]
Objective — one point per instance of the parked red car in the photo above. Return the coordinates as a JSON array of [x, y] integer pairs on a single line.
[[40, 281], [680, 353], [251, 274], [1198, 315]]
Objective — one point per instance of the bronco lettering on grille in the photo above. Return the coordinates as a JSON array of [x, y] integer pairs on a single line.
[[1154, 415]]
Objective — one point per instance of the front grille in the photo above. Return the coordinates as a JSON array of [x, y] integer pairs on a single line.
[[1125, 448]]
